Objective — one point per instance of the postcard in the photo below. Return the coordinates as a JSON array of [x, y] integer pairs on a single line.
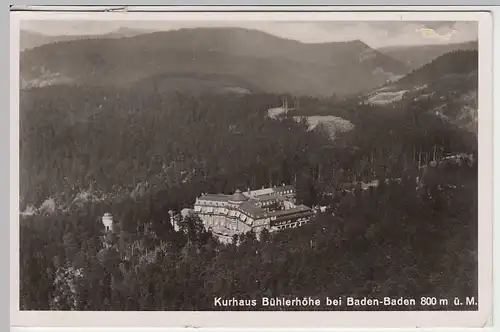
[[251, 168]]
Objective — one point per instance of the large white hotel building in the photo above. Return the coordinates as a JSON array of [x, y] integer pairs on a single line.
[[270, 208]]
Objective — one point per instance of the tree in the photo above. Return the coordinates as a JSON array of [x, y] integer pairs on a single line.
[[192, 226]]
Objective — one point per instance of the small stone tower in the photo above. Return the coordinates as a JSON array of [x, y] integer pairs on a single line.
[[107, 221]]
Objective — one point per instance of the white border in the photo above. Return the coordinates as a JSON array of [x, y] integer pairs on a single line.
[[480, 318]]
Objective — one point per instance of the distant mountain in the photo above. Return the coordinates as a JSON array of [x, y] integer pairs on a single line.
[[417, 56], [30, 39], [447, 86], [270, 63]]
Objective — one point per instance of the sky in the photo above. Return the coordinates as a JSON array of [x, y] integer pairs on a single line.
[[376, 34]]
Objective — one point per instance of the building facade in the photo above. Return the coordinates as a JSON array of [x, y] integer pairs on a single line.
[[268, 208]]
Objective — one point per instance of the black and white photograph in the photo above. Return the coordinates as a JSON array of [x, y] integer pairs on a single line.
[[249, 165]]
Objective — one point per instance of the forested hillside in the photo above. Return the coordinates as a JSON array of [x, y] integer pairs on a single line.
[[452, 64], [447, 87], [74, 137], [391, 242], [114, 139], [142, 155], [419, 55]]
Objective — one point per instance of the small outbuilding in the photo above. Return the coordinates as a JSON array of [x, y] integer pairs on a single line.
[[107, 221]]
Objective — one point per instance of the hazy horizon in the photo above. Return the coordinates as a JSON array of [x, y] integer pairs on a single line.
[[375, 33]]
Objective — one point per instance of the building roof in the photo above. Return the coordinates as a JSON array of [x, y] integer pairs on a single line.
[[297, 209], [260, 192], [249, 207], [266, 197], [238, 196], [295, 215], [214, 197], [283, 188], [253, 210]]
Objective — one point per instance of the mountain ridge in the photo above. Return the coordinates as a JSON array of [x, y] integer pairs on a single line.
[[31, 39], [278, 65], [417, 56]]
